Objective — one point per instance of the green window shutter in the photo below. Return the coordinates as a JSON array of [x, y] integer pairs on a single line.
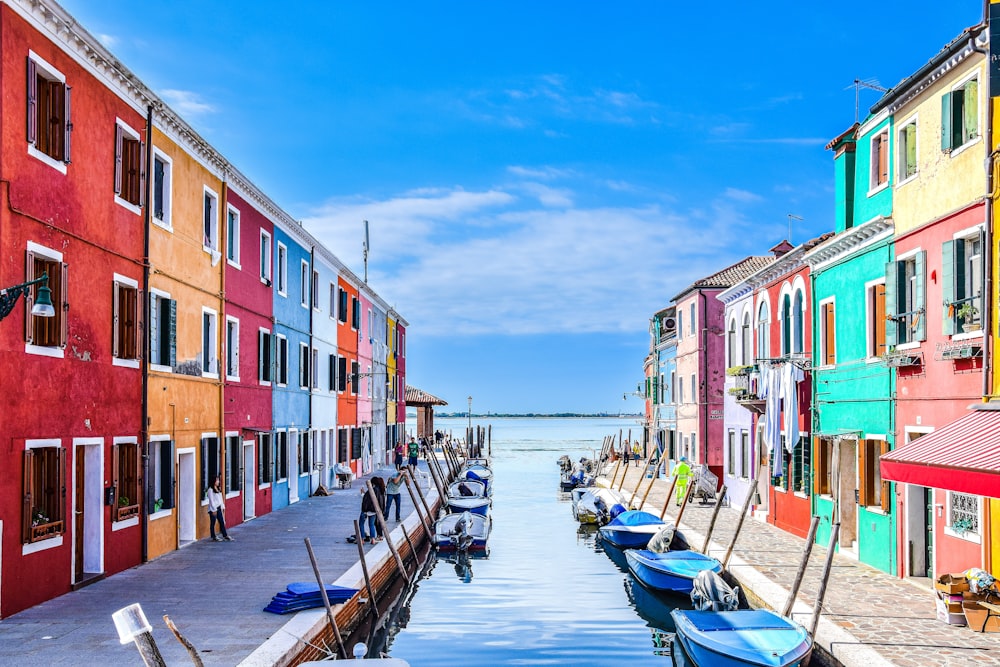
[[948, 286], [891, 305], [172, 331], [910, 137], [946, 122], [919, 321], [970, 120]]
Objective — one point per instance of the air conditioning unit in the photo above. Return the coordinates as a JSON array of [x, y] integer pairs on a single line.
[[668, 323]]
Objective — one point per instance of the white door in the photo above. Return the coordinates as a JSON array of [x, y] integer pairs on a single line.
[[293, 467], [187, 498], [249, 480]]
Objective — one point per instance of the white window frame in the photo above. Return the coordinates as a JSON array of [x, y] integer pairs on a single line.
[[314, 368], [333, 301], [44, 68], [233, 253], [51, 255], [763, 335], [910, 257], [873, 187], [266, 274], [166, 222], [304, 283], [260, 362], [901, 176], [956, 150], [969, 536], [155, 442], [282, 269], [212, 246], [819, 352], [52, 542], [129, 133], [870, 355], [119, 279], [155, 295], [213, 335], [315, 290], [280, 363], [232, 348]]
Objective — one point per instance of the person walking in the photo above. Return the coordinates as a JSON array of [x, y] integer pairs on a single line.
[[398, 455], [217, 511], [413, 454], [683, 472], [392, 494], [636, 452], [378, 485], [367, 518]]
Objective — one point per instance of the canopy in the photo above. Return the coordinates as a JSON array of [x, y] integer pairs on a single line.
[[635, 518], [963, 456]]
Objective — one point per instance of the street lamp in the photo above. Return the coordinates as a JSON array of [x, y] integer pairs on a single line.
[[470, 413], [43, 300]]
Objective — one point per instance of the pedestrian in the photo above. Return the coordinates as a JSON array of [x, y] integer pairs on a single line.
[[378, 485], [636, 452], [392, 494], [683, 472], [217, 511], [367, 518], [398, 455], [413, 452]]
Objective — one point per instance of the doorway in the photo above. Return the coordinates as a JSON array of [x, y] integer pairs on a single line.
[[847, 490], [187, 498], [763, 473], [88, 487], [249, 480]]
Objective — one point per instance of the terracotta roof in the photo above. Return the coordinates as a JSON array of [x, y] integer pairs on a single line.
[[730, 275], [417, 397]]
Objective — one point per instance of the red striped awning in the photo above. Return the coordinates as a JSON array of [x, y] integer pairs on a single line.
[[963, 456]]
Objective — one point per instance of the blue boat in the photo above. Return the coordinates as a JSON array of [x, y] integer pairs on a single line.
[[468, 496], [631, 529], [478, 472], [462, 532], [672, 571], [742, 638]]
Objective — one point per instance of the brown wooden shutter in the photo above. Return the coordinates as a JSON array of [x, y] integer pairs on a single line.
[[68, 127], [119, 149], [819, 465], [883, 159], [28, 491], [864, 482], [116, 317], [829, 342], [61, 485], [886, 499], [62, 303], [32, 101], [115, 482], [29, 298], [879, 316]]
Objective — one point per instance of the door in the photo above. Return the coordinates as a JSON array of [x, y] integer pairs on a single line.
[[79, 506], [187, 498], [249, 480], [928, 497], [293, 466], [847, 500], [763, 472]]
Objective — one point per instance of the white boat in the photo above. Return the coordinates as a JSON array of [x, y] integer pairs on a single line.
[[596, 505], [462, 532], [466, 495]]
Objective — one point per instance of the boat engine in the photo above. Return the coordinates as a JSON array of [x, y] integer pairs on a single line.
[[461, 536], [711, 593]]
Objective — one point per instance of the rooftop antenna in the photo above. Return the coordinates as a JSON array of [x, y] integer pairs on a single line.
[[365, 251], [871, 84], [790, 218]]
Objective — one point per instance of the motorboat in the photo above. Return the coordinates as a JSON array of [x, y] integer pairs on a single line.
[[466, 495], [597, 505], [672, 571], [463, 531], [477, 472], [741, 638], [631, 529]]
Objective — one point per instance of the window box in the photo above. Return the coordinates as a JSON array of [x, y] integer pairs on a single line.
[[125, 511], [43, 531]]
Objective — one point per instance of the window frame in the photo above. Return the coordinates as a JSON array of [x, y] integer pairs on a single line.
[[281, 360], [949, 102], [876, 325], [826, 351], [126, 473], [233, 239], [233, 480], [51, 531], [975, 533], [165, 191], [232, 345], [265, 459], [305, 282], [160, 336], [878, 155], [39, 68], [129, 179], [125, 289], [56, 328], [304, 362], [210, 343], [210, 223], [265, 357], [281, 270], [160, 476], [905, 146], [266, 268], [763, 331]]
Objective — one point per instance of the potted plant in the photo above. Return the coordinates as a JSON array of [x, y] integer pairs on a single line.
[[967, 312]]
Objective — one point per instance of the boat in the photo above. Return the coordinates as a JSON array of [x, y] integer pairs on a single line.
[[477, 472], [631, 529], [468, 496], [597, 505], [462, 532], [672, 571], [741, 638]]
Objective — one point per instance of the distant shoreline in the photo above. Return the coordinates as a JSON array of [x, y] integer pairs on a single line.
[[532, 415]]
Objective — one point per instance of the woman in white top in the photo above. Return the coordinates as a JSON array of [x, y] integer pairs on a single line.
[[217, 511]]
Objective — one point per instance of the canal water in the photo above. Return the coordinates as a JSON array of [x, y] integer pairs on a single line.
[[547, 593]]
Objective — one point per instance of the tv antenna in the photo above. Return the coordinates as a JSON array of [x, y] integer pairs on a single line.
[[870, 84], [365, 247], [790, 218]]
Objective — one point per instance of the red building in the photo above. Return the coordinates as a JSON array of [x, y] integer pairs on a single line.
[[72, 411], [348, 328]]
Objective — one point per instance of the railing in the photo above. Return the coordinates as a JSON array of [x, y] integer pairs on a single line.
[[44, 531], [123, 512]]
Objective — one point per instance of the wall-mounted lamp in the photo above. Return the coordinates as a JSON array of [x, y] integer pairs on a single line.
[[43, 299]]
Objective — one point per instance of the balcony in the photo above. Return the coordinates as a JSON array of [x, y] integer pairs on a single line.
[[746, 387]]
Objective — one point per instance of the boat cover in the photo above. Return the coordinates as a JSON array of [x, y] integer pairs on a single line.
[[752, 636], [635, 518]]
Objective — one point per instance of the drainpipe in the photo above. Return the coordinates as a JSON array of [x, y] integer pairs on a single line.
[[987, 304], [313, 299], [144, 426], [223, 326]]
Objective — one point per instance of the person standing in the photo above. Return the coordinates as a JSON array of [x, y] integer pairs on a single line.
[[683, 472], [378, 486], [413, 454], [367, 518], [392, 494], [217, 511], [636, 452], [398, 455]]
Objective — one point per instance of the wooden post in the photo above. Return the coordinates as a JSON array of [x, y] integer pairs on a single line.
[[624, 474], [614, 474], [806, 551], [648, 489], [739, 524], [489, 441], [432, 466], [413, 549], [684, 504], [326, 599], [715, 515], [385, 532], [364, 570], [666, 501], [818, 606], [635, 491], [416, 503], [192, 651]]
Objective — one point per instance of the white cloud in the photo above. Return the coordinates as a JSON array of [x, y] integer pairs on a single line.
[[742, 195], [186, 102], [107, 40]]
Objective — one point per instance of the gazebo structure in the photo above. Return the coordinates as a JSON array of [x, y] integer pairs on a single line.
[[424, 403]]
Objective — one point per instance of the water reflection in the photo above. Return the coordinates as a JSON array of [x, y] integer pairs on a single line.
[[463, 563]]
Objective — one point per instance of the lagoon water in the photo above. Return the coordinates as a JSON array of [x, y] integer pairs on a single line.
[[547, 594]]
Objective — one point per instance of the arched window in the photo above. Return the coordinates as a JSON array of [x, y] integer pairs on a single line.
[[763, 349], [747, 349], [731, 343], [797, 323], [786, 325]]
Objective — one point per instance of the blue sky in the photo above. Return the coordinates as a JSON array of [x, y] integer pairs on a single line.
[[539, 177]]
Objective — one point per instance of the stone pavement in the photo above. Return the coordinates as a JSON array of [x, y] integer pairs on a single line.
[[214, 592], [869, 618]]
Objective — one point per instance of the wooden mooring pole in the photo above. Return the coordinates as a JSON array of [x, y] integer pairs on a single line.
[[806, 551], [326, 599], [666, 501], [385, 532], [364, 570], [638, 484], [715, 515], [818, 606], [739, 524], [684, 504], [417, 503]]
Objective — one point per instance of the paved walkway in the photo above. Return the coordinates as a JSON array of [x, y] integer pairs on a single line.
[[214, 592], [869, 618]]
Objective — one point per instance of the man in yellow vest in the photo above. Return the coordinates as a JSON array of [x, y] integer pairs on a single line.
[[636, 452], [683, 472]]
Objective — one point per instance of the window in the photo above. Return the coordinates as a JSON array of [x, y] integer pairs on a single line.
[[264, 356], [162, 331], [265, 456], [680, 391], [314, 369], [43, 516], [49, 121], [233, 236], [763, 350], [746, 349], [130, 166], [315, 290], [333, 373], [234, 481], [731, 344], [369, 381], [305, 452], [906, 150], [692, 319], [876, 319], [304, 284], [355, 373], [745, 454], [355, 313], [210, 462], [822, 482], [961, 284], [341, 373], [342, 453], [265, 258], [873, 491], [731, 453], [232, 348], [827, 334], [281, 359], [46, 332], [960, 115], [282, 269], [303, 366], [879, 161], [798, 323], [694, 389], [786, 325], [905, 299], [125, 341], [333, 301], [356, 443], [342, 308], [125, 468], [680, 324], [800, 466], [211, 221], [209, 343], [963, 514], [161, 189], [281, 455], [160, 475], [785, 482]]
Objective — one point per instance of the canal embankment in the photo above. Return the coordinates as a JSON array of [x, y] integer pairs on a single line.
[[869, 618]]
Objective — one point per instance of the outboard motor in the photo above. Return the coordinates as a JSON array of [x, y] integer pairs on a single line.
[[461, 536], [616, 509], [711, 593]]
